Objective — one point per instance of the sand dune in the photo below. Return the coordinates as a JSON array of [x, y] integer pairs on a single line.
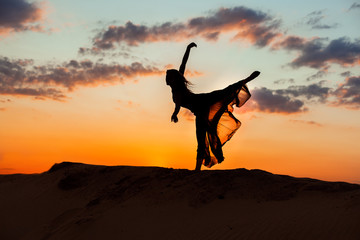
[[79, 201]]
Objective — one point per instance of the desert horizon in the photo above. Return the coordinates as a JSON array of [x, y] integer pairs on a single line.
[[217, 168], [81, 201]]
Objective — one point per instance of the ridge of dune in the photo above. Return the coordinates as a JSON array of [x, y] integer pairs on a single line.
[[81, 201]]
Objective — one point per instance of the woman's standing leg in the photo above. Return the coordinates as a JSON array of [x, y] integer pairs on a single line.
[[200, 137]]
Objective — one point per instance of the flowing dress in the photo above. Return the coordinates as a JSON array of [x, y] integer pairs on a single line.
[[215, 123]]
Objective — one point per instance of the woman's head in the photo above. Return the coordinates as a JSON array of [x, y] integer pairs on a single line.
[[175, 79]]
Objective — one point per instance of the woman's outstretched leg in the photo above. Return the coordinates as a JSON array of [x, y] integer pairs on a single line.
[[251, 77], [248, 79]]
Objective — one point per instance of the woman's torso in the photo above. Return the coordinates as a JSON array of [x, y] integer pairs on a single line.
[[198, 103]]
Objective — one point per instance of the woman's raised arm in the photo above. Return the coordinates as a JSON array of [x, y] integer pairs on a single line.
[[185, 58]]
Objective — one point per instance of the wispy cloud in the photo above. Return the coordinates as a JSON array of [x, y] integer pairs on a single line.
[[315, 20], [354, 6], [313, 123], [22, 77], [5, 100], [188, 115], [319, 74], [127, 104], [284, 81]]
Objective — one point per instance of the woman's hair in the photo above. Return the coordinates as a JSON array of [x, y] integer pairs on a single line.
[[176, 80]]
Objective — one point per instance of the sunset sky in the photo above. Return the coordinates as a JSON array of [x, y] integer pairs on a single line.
[[84, 81]]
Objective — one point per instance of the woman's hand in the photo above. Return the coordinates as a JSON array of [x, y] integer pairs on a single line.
[[192, 45], [174, 118]]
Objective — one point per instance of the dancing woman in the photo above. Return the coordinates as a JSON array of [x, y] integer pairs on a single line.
[[215, 123]]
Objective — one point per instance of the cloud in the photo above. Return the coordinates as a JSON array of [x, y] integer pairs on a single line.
[[354, 6], [123, 52], [37, 92], [313, 91], [266, 100], [258, 27], [289, 100], [348, 93], [317, 53], [22, 77], [313, 123], [5, 100], [290, 43], [187, 114], [245, 24], [319, 74], [293, 99], [345, 74], [20, 15], [7, 170], [127, 104], [314, 20], [283, 81]]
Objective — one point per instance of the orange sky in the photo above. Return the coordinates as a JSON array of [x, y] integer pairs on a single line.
[[93, 91], [109, 132]]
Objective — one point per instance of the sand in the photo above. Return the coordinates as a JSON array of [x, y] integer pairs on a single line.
[[79, 201]]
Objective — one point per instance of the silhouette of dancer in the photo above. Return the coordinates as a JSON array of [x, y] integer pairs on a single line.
[[215, 123]]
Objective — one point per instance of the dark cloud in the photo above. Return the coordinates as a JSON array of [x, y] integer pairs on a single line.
[[290, 43], [317, 53], [345, 74], [266, 100], [256, 26], [37, 92], [348, 93], [314, 91], [293, 99], [288, 100], [133, 34], [53, 81], [19, 15]]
